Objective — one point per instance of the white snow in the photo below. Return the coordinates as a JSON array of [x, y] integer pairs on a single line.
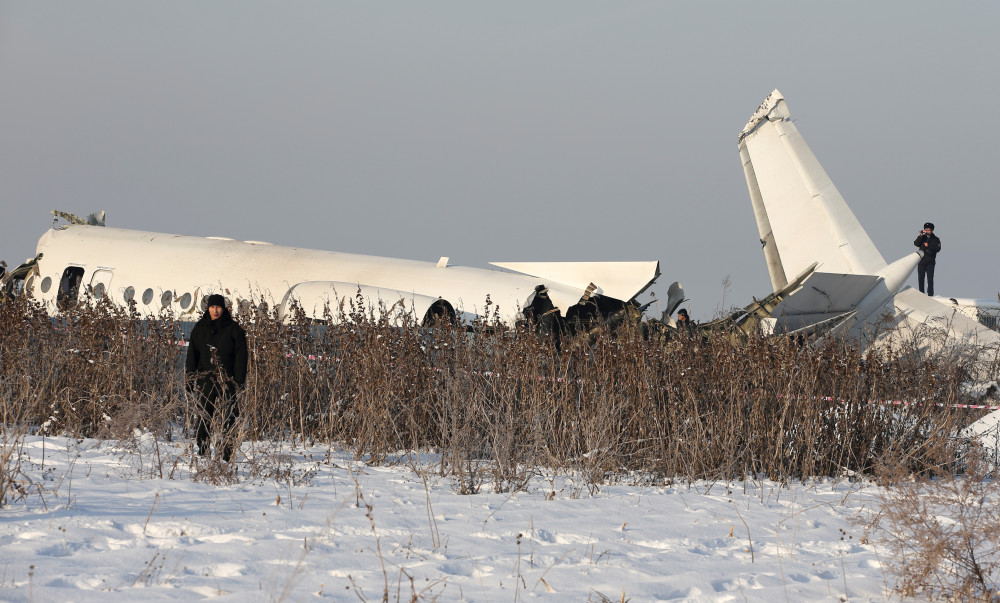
[[101, 524]]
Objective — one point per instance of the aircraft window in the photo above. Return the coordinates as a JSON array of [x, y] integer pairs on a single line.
[[186, 301], [244, 306], [99, 291], [262, 309], [46, 284], [166, 298], [69, 285], [147, 296], [129, 293]]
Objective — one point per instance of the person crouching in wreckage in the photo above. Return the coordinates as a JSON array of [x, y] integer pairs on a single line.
[[216, 370]]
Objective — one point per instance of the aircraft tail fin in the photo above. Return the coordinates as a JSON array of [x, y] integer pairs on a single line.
[[801, 217]]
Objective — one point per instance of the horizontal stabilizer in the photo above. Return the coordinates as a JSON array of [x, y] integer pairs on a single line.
[[620, 280], [827, 294]]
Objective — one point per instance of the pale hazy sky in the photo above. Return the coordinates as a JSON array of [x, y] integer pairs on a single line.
[[504, 131]]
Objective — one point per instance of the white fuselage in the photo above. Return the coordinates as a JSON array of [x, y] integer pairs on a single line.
[[175, 272]]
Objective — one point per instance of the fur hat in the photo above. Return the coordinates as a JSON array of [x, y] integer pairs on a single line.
[[929, 225], [215, 300], [683, 312]]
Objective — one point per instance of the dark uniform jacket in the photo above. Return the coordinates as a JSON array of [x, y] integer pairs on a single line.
[[229, 341], [931, 251]]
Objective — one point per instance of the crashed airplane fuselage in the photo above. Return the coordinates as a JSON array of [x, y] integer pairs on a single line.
[[161, 273]]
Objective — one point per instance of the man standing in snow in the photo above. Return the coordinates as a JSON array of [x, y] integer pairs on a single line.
[[216, 366]]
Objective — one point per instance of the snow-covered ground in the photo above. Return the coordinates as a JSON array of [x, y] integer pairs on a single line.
[[101, 524]]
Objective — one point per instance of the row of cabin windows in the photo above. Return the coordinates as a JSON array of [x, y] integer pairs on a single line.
[[72, 277]]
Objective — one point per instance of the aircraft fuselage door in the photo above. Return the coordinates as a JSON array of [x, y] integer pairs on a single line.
[[69, 285], [100, 284]]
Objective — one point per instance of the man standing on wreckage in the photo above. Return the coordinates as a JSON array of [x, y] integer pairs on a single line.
[[216, 369], [930, 244]]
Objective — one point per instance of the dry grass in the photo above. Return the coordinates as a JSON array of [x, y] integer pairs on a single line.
[[499, 406], [496, 405], [940, 530]]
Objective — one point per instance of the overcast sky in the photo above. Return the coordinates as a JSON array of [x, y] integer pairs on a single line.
[[501, 131]]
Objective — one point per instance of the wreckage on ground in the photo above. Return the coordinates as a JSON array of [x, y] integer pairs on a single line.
[[803, 220], [806, 225], [159, 274], [826, 274]]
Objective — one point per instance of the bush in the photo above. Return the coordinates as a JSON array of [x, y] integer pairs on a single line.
[[941, 533], [499, 402]]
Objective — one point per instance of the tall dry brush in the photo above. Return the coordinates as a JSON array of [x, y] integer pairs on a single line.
[[499, 403]]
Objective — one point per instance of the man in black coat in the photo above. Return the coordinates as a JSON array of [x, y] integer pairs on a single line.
[[685, 327], [216, 367], [928, 242]]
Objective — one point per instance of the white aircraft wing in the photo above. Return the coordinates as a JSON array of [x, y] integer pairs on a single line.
[[620, 280], [801, 217]]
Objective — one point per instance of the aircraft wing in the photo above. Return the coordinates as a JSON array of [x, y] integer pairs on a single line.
[[801, 217], [620, 280]]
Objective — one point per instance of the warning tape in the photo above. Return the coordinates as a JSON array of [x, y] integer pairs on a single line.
[[914, 403], [968, 406]]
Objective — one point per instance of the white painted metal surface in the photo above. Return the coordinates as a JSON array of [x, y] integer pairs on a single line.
[[167, 271], [800, 214], [802, 218], [614, 279], [986, 311]]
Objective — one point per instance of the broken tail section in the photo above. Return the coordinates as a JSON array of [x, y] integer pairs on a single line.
[[802, 219]]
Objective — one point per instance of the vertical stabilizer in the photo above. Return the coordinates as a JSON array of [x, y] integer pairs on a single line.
[[801, 217], [771, 256]]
